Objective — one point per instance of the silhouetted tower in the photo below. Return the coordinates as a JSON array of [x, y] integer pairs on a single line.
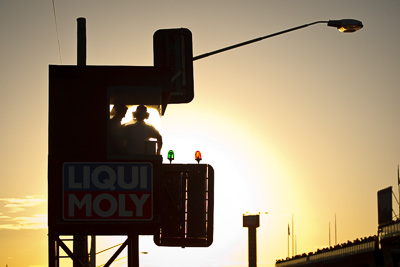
[[252, 222]]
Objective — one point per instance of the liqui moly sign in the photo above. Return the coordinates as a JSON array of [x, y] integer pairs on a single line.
[[107, 191]]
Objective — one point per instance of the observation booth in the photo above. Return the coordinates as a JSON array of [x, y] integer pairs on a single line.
[[94, 190]]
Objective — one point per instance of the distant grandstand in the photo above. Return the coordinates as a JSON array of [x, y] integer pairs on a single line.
[[364, 252], [382, 249]]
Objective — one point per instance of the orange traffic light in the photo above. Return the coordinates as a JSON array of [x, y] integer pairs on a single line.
[[197, 156]]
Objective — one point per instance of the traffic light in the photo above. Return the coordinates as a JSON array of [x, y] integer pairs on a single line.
[[188, 206], [173, 48], [197, 156], [171, 156]]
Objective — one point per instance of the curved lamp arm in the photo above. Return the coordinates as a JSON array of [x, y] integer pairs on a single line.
[[344, 25]]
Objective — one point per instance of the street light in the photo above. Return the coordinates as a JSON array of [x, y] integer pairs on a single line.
[[252, 222], [343, 25], [346, 25]]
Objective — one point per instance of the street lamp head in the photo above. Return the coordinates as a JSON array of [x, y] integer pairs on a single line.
[[346, 25]]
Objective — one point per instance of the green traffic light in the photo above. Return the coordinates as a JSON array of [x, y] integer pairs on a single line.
[[171, 156]]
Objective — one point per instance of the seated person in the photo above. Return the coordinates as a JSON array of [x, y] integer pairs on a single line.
[[139, 133]]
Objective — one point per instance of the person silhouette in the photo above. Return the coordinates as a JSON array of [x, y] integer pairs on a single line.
[[138, 134], [117, 134]]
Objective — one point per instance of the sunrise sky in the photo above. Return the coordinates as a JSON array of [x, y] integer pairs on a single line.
[[304, 124]]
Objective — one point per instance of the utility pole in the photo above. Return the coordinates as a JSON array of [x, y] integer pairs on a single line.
[[292, 235], [335, 231], [81, 41], [398, 185], [80, 243], [329, 233], [288, 238]]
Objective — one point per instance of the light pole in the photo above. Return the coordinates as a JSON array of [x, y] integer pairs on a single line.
[[343, 25], [252, 222]]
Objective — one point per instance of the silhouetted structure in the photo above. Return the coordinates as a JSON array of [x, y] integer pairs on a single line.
[[378, 250], [360, 252], [252, 222]]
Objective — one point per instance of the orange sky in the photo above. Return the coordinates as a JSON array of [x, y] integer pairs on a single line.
[[305, 123]]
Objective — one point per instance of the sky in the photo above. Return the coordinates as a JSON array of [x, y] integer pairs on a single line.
[[304, 125]]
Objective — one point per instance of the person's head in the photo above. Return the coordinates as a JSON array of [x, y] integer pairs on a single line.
[[141, 113], [119, 111]]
